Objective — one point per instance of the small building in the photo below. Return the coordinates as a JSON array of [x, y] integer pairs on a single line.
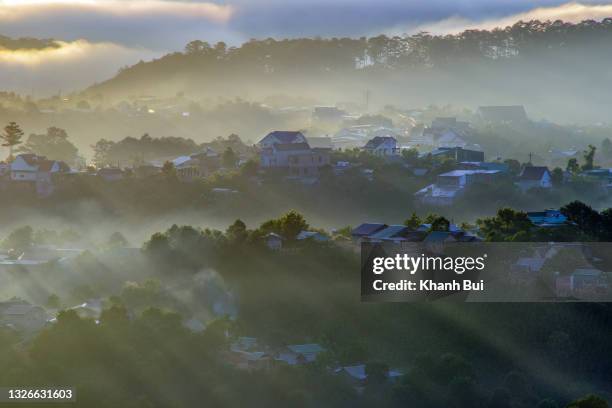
[[458, 154], [365, 230], [274, 241], [382, 146], [299, 354], [534, 177], [297, 159], [38, 172], [22, 315], [111, 173], [357, 376], [312, 236], [547, 218], [251, 360], [322, 142], [451, 185], [392, 233]]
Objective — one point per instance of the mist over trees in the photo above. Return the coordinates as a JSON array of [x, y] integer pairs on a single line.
[[531, 62]]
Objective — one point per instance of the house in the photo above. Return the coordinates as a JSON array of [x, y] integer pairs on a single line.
[[383, 146], [476, 165], [312, 236], [437, 240], [111, 173], [357, 376], [525, 270], [251, 360], [298, 354], [297, 159], [22, 315], [147, 170], [392, 233], [458, 154], [582, 283], [547, 218], [281, 137], [365, 230], [37, 171], [273, 241], [323, 142], [195, 166], [451, 185], [503, 114], [534, 177], [442, 137], [244, 344]]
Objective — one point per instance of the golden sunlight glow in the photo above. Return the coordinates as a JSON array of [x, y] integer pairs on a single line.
[[65, 51], [21, 9]]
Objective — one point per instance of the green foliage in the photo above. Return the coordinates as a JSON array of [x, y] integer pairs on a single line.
[[19, 239], [506, 225], [229, 158], [589, 158], [572, 166], [590, 401], [557, 176], [11, 137], [413, 222], [585, 217], [54, 145]]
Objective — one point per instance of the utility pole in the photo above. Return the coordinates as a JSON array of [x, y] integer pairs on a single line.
[[367, 100]]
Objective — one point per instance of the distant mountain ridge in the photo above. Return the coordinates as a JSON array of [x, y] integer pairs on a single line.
[[540, 63]]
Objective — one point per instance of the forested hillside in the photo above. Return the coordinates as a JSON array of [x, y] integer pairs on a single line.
[[559, 70]]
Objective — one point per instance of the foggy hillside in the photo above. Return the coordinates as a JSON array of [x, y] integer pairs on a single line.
[[542, 65]]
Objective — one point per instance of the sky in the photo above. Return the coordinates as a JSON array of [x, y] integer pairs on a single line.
[[100, 36]]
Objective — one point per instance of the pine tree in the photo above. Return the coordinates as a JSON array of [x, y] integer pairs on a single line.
[[11, 137]]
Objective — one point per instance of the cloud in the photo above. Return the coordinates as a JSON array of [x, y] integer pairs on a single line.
[[154, 24], [570, 12], [67, 66]]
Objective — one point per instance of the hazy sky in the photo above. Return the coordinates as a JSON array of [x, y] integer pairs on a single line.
[[121, 32]]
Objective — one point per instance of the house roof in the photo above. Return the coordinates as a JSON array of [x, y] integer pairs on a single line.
[[273, 235], [368, 229], [291, 146], [378, 140], [306, 348], [359, 372], [285, 136], [30, 158], [586, 272], [392, 231], [459, 173], [18, 309], [533, 172], [439, 236], [310, 234]]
